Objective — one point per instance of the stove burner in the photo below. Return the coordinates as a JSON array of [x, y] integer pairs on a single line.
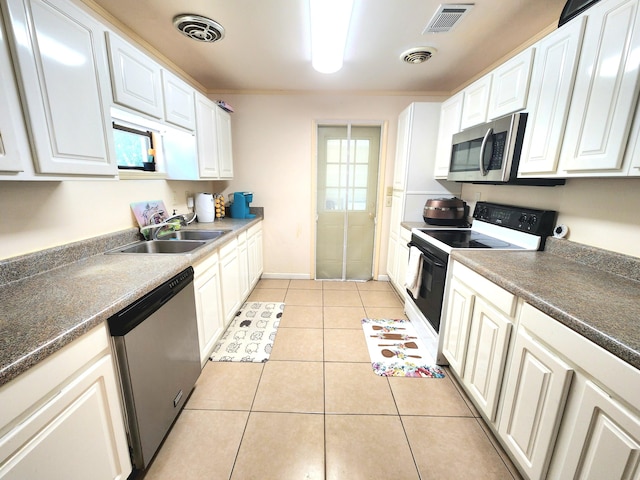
[[468, 239]]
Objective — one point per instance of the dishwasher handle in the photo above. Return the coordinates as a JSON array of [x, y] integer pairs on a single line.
[[133, 315]]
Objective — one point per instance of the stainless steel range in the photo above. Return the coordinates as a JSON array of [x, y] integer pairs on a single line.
[[499, 227]]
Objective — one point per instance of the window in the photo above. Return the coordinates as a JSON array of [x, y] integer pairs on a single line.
[[347, 174], [132, 147]]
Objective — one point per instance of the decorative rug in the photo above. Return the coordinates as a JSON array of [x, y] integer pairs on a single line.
[[396, 350], [250, 335]]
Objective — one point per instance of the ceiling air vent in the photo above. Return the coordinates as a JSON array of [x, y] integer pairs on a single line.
[[417, 55], [199, 28], [446, 17]]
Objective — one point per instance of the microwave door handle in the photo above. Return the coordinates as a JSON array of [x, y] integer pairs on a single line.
[[487, 144]]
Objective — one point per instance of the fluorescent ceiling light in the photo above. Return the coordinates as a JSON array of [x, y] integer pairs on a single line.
[[329, 27]]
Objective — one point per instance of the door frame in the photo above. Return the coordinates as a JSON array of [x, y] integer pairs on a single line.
[[313, 187]]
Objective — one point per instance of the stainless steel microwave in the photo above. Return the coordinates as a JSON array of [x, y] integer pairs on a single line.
[[488, 153]]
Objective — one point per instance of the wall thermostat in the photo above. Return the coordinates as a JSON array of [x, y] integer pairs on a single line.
[[560, 231]]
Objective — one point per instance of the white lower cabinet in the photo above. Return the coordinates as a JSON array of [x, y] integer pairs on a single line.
[[243, 265], [255, 254], [478, 319], [486, 355], [63, 427], [208, 295], [230, 278], [537, 385], [223, 281], [563, 407], [457, 321], [605, 440]]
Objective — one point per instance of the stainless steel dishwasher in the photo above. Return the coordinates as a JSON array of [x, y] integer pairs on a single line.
[[157, 353]]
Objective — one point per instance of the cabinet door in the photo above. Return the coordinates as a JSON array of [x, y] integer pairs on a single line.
[[230, 279], [225, 151], [136, 78], [402, 149], [486, 356], [208, 306], [79, 434], [254, 242], [536, 390], [510, 85], [606, 90], [457, 321], [394, 239], [60, 55], [179, 107], [243, 265], [450, 116], [476, 102], [207, 137], [13, 143], [606, 439], [552, 80], [402, 258]]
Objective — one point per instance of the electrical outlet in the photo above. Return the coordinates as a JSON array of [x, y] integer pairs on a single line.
[[389, 192], [388, 202]]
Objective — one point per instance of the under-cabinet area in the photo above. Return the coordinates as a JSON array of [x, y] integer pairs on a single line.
[[560, 404]]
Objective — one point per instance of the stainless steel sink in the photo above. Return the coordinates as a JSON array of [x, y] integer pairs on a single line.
[[194, 235], [160, 246]]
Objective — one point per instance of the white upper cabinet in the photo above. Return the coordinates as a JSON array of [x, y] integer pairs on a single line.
[[450, 115], [179, 106], [552, 80], [476, 102], [605, 92], [14, 151], [225, 151], [207, 138], [135, 77], [402, 149], [61, 66], [213, 126], [510, 85]]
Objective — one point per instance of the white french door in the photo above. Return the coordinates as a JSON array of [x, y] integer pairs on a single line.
[[347, 180]]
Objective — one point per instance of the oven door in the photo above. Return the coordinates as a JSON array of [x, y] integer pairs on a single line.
[[431, 291]]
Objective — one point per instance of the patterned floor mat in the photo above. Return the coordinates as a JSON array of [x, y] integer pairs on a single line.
[[396, 350], [250, 336]]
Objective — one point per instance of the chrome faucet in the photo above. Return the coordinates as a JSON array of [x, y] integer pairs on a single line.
[[174, 222]]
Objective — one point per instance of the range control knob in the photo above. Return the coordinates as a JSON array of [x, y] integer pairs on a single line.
[[532, 220], [523, 218]]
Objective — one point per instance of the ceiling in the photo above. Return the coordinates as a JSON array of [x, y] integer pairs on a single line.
[[267, 48]]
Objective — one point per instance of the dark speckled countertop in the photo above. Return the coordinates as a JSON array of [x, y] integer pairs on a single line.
[[602, 306], [52, 297]]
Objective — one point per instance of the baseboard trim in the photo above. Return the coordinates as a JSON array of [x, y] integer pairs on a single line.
[[286, 276]]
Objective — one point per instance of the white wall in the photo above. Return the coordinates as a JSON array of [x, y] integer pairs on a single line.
[[274, 158], [601, 212], [39, 215]]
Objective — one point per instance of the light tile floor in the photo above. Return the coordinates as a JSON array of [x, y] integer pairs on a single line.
[[317, 411]]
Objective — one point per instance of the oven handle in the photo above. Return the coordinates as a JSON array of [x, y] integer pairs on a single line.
[[427, 256]]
